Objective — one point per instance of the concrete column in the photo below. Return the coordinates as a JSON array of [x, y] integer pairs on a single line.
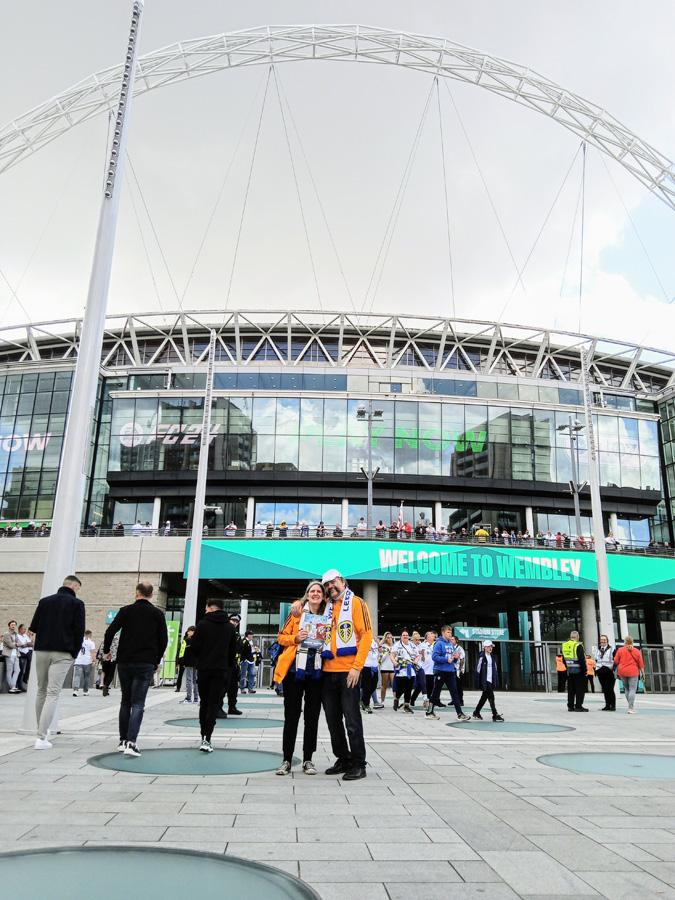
[[623, 624], [438, 514], [370, 595], [250, 515], [589, 620], [345, 515], [243, 612], [156, 509], [536, 626], [529, 520], [614, 524]]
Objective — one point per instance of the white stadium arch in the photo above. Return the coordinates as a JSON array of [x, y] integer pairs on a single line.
[[351, 43]]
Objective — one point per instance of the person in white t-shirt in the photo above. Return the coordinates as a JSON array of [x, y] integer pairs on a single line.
[[362, 528], [82, 666], [425, 648], [386, 665]]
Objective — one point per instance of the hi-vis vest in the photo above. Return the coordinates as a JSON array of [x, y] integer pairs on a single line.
[[569, 652], [560, 664]]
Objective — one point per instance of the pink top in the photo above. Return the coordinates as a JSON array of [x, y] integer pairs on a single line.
[[629, 662]]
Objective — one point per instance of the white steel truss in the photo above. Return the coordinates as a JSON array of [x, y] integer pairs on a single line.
[[423, 346], [350, 43]]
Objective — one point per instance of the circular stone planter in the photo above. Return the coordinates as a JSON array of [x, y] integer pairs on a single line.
[[150, 873], [632, 765], [189, 761]]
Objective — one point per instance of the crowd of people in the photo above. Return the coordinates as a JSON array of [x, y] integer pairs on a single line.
[[327, 659], [17, 530]]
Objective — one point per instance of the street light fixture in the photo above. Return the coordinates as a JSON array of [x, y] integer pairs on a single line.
[[367, 413], [574, 427]]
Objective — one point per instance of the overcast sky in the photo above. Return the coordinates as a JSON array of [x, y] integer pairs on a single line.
[[504, 166]]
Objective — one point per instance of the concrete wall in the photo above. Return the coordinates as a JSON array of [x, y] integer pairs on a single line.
[[109, 568]]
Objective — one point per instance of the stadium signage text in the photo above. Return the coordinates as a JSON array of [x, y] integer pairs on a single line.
[[13, 442], [482, 565]]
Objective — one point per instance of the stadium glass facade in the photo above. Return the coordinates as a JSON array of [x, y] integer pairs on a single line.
[[469, 435]]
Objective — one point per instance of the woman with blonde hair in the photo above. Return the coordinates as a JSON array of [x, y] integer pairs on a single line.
[[630, 668], [386, 664], [299, 669]]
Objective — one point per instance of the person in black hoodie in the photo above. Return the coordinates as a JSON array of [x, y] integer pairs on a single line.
[[141, 646], [213, 648]]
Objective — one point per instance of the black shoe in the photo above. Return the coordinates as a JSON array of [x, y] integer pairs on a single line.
[[606, 709], [571, 709], [497, 718], [580, 709], [477, 715], [252, 692], [234, 712], [355, 773], [221, 715], [395, 704], [440, 705], [338, 767]]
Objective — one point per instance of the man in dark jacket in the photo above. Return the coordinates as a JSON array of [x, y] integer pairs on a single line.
[[486, 679], [213, 648], [58, 624], [142, 644], [242, 651]]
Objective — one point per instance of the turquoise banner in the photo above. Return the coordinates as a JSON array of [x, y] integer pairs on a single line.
[[299, 558]]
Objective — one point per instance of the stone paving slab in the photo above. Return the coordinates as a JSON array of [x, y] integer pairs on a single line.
[[443, 811]]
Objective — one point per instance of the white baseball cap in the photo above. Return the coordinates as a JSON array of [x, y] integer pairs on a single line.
[[330, 575], [487, 644]]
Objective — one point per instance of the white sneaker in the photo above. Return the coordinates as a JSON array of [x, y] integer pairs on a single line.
[[206, 746], [284, 768], [122, 746], [41, 744], [85, 694], [308, 767], [632, 712], [75, 694], [131, 750]]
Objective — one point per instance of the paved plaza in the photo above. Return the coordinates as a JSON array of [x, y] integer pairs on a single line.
[[444, 811]]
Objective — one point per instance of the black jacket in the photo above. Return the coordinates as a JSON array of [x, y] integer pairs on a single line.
[[144, 633], [213, 644], [480, 675], [58, 622]]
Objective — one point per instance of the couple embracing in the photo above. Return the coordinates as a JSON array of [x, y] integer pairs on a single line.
[[326, 640]]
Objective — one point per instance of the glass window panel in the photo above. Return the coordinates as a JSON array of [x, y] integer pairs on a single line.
[[193, 411], [189, 381], [48, 482], [13, 384], [499, 460], [453, 420], [475, 418], [240, 415], [507, 390], [465, 388], [46, 382], [57, 423], [264, 512], [563, 465], [548, 394], [650, 476], [335, 417], [286, 512], [383, 454], [570, 397], [521, 425], [240, 450], [29, 383], [355, 425], [219, 411], [313, 381], [528, 392], [247, 381], [310, 452], [486, 389], [42, 403], [544, 464], [291, 381], [649, 438], [9, 405], [444, 387], [145, 382], [521, 461], [544, 427], [334, 452], [608, 433], [286, 452], [264, 415], [52, 453], [610, 469], [630, 470], [145, 413], [357, 453], [499, 432], [336, 382], [628, 435], [225, 381], [170, 410], [123, 413], [26, 401], [263, 455], [62, 381], [310, 514], [288, 415], [44, 508], [22, 424]]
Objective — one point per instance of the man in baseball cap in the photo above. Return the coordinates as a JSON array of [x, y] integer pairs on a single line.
[[487, 679]]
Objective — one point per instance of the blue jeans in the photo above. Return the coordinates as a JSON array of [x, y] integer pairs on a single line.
[[191, 689], [247, 674], [342, 707], [135, 679]]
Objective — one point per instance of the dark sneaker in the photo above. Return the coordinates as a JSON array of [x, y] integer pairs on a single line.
[[367, 709], [498, 718], [131, 750], [395, 705], [477, 715], [440, 705], [464, 718], [406, 709], [284, 768], [252, 692], [308, 767], [234, 712], [122, 746], [430, 714]]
